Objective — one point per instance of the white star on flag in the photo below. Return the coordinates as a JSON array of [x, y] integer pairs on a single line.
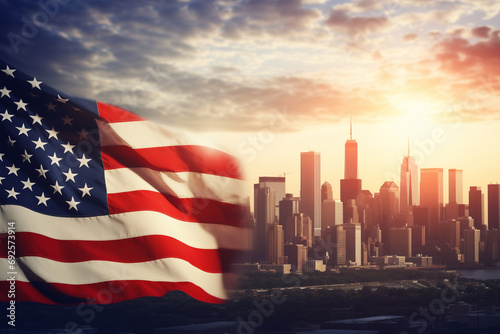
[[36, 119], [54, 160], [23, 130], [7, 116], [85, 190], [84, 161], [28, 184], [73, 204], [9, 71], [68, 147], [39, 143], [52, 133], [12, 193], [26, 156], [70, 175], [42, 199], [57, 188], [13, 169], [35, 83], [5, 92], [21, 105], [41, 171]]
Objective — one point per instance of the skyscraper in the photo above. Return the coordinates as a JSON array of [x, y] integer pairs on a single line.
[[296, 254], [349, 190], [294, 228], [336, 237], [350, 186], [471, 245], [389, 198], [494, 206], [278, 185], [408, 192], [310, 188], [417, 239], [351, 157], [364, 203], [353, 243], [431, 197], [449, 233], [400, 241], [331, 213], [326, 191], [265, 218], [476, 206], [493, 247], [455, 186], [275, 244], [288, 206]]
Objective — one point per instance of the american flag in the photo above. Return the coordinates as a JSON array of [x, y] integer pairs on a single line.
[[107, 206]]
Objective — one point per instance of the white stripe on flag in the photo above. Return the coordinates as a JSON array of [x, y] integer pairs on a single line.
[[181, 185], [146, 134], [123, 226], [88, 272]]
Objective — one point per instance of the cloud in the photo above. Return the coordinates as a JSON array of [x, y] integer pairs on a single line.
[[359, 6], [434, 34], [269, 18], [442, 12], [481, 32], [355, 25], [410, 37], [224, 69], [220, 104], [228, 64], [460, 57]]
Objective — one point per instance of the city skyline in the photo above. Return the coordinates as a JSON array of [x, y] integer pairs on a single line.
[[390, 175], [375, 228]]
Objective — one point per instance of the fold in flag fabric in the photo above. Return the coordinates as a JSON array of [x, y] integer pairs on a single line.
[[99, 204]]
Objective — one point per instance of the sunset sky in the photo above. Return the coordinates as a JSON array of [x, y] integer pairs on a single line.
[[269, 79]]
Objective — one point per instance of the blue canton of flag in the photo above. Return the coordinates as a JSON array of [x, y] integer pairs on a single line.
[[50, 159]]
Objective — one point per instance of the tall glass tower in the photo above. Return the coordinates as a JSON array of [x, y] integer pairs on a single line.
[[455, 186], [350, 185], [408, 195], [351, 157], [310, 188], [431, 197]]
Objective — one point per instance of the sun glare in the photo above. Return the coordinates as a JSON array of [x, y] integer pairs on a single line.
[[416, 116]]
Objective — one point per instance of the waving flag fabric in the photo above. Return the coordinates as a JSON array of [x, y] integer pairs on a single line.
[[107, 206]]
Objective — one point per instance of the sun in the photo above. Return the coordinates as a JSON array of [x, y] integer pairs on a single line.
[[415, 116]]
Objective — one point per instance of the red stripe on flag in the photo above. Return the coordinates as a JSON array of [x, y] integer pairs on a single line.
[[185, 209], [101, 293], [114, 114], [139, 249], [172, 159]]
